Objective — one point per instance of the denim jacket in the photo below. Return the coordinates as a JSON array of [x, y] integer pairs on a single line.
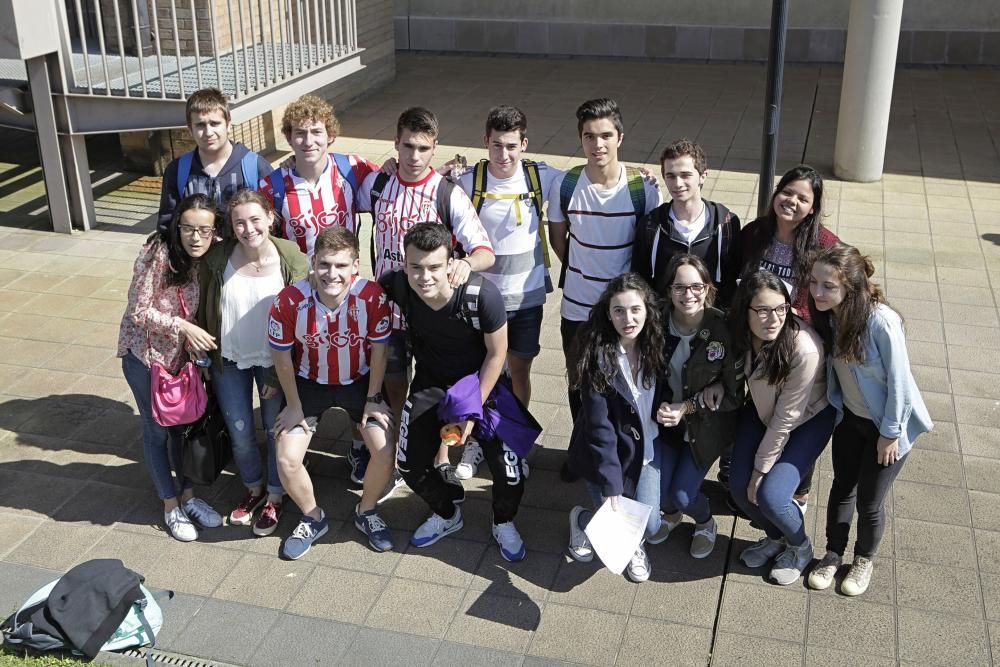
[[887, 385]]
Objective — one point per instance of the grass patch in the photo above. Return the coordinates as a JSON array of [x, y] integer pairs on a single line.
[[11, 658]]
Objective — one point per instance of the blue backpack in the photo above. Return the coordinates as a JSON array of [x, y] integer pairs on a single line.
[[343, 166], [248, 166]]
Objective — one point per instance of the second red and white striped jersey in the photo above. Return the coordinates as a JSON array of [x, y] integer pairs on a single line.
[[402, 204], [308, 209], [330, 346]]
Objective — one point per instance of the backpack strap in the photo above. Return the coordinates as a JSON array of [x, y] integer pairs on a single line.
[[346, 170], [277, 189], [183, 172], [479, 184], [381, 180], [566, 189], [443, 202], [636, 191], [468, 306], [251, 177], [534, 181]]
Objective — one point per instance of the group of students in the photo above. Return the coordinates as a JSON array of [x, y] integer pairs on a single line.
[[686, 338]]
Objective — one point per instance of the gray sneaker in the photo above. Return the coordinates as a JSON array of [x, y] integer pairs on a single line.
[[758, 555], [703, 540], [667, 524], [822, 575], [789, 564], [639, 569], [579, 546], [858, 577]]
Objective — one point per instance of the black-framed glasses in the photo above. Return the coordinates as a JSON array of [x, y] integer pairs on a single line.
[[696, 288], [764, 313], [203, 232]]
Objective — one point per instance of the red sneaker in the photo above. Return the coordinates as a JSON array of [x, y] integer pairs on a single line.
[[267, 522], [242, 514]]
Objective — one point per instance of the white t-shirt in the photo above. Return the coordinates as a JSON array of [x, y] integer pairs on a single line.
[[513, 227], [688, 233], [601, 231], [643, 397]]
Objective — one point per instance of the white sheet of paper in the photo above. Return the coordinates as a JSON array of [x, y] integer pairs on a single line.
[[615, 534]]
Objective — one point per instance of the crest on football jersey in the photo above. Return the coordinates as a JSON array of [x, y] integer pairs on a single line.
[[352, 311]]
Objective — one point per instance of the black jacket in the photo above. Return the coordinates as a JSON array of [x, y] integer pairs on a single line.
[[606, 445], [712, 359], [722, 228]]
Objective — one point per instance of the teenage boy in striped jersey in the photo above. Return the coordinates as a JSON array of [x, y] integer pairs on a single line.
[[592, 213], [328, 337], [417, 193]]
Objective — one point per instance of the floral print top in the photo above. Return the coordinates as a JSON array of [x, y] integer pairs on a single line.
[[150, 327]]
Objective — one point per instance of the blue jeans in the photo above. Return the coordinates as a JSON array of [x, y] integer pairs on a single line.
[[233, 389], [775, 511], [679, 479], [162, 446], [647, 491]]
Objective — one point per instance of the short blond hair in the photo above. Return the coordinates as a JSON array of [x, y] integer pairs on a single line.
[[310, 108]]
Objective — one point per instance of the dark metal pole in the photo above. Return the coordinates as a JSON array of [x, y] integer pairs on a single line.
[[772, 103]]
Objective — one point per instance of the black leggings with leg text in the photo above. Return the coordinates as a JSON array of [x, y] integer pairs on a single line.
[[419, 439]]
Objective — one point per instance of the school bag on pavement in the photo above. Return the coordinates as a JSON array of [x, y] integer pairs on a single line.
[[99, 605]]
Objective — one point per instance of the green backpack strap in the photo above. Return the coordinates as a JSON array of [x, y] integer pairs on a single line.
[[534, 180], [636, 191], [479, 184], [566, 190]]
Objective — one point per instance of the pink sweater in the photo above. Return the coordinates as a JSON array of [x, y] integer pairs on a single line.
[[782, 408]]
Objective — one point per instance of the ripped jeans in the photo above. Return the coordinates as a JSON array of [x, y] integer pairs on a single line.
[[234, 391]]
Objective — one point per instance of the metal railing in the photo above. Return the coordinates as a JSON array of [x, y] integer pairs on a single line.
[[167, 49]]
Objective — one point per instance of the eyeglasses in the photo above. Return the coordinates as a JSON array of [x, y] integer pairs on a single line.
[[764, 313], [696, 288], [203, 232]]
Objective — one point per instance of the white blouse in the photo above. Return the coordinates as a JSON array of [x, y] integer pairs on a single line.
[[246, 302]]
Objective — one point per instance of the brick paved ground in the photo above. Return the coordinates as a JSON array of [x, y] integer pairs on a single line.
[[73, 487]]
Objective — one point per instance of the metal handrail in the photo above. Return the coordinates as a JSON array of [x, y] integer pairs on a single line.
[[266, 43]]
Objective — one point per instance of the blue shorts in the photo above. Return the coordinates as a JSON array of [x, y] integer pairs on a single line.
[[399, 355], [524, 328]]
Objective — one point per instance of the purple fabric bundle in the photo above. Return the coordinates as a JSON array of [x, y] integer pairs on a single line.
[[503, 417]]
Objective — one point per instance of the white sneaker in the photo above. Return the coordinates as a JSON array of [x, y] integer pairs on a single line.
[[180, 525], [639, 569], [579, 546], [202, 512], [471, 458], [511, 544], [435, 528]]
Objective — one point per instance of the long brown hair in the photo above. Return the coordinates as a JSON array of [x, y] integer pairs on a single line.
[[861, 297], [806, 233], [597, 359], [775, 355]]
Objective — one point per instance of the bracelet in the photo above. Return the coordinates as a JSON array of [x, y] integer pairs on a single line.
[[689, 407]]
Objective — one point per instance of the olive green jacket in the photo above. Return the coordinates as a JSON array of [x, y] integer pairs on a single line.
[[712, 359]]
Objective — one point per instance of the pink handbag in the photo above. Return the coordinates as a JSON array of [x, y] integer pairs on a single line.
[[177, 399]]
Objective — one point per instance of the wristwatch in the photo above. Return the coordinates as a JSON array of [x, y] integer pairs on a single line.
[[377, 397]]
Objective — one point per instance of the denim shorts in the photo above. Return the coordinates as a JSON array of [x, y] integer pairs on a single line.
[[524, 329], [399, 355]]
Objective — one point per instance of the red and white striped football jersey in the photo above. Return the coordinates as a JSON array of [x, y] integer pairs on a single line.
[[330, 346], [307, 210], [403, 204]]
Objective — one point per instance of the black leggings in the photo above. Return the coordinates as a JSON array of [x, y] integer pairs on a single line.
[[568, 330], [419, 440], [858, 481]]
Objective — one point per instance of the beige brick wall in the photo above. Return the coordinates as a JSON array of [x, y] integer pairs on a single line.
[[151, 151]]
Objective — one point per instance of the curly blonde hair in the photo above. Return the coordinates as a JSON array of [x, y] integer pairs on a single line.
[[310, 108]]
